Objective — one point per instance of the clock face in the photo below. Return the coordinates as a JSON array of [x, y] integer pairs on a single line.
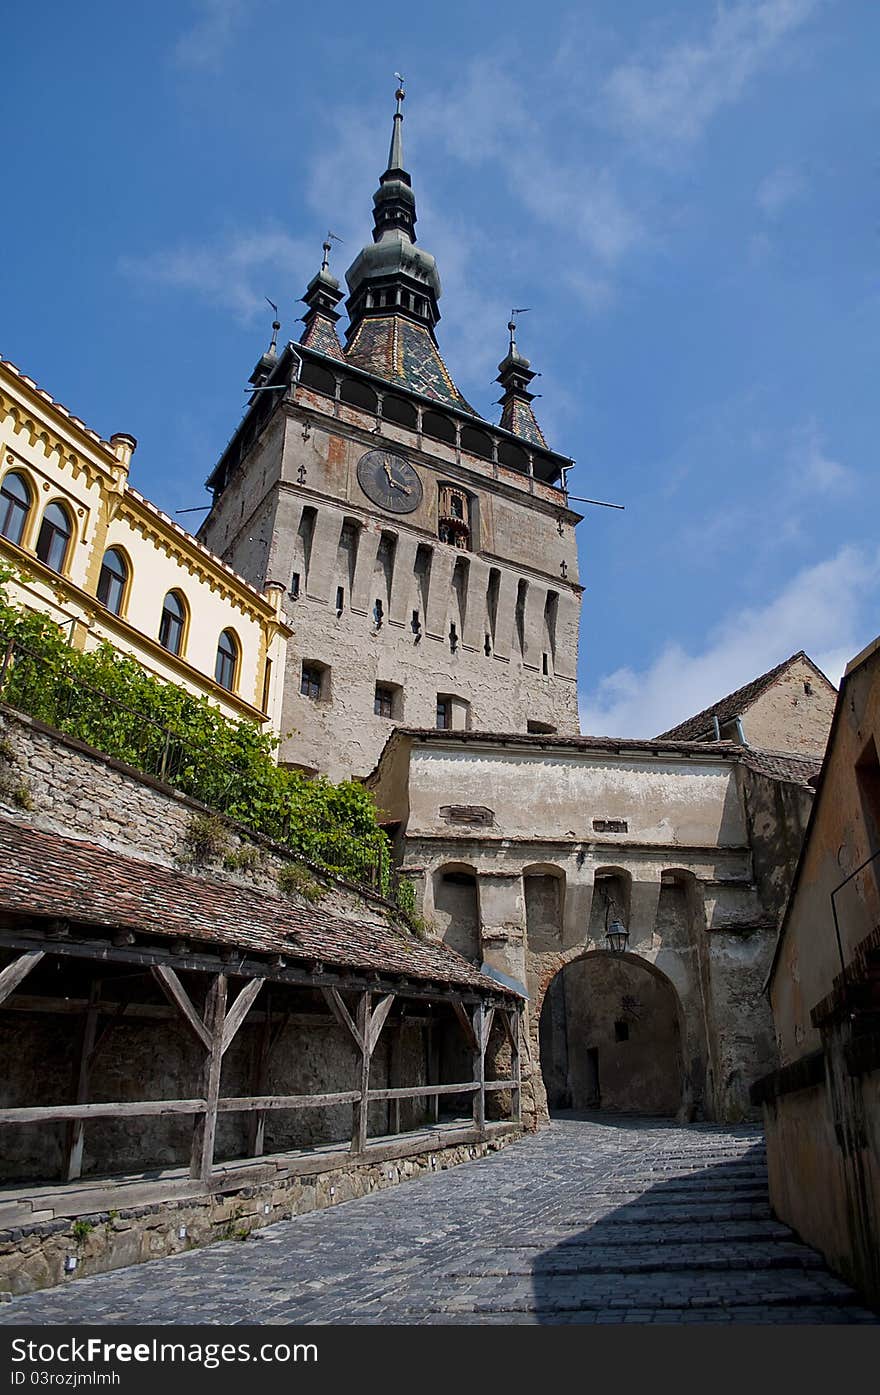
[[389, 481]]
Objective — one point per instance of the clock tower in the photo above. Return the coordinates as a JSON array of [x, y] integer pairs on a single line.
[[427, 556]]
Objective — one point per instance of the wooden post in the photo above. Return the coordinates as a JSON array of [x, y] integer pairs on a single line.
[[514, 1025], [75, 1132], [202, 1160], [479, 1068], [359, 1111], [433, 1071], [394, 1078], [366, 1033], [260, 1083]]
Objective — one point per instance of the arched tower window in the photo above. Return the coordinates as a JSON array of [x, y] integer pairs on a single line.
[[112, 580], [171, 626], [15, 505], [226, 663], [55, 533], [454, 516]]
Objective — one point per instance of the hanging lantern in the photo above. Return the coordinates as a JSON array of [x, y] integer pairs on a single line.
[[617, 936]]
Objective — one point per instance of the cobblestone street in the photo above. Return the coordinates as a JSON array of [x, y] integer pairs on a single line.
[[592, 1220]]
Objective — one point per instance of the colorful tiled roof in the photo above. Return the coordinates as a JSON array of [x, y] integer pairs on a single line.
[[43, 874], [727, 708], [404, 353], [321, 334], [519, 418]]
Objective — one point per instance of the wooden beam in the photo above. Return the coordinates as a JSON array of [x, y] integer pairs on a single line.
[[19, 969], [177, 996], [125, 1109], [202, 1159], [247, 1104], [487, 1026], [202, 961], [359, 1120], [413, 1092], [76, 1134], [239, 1011], [334, 1001], [465, 1023], [377, 1021]]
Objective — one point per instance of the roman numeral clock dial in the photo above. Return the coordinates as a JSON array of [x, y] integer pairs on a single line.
[[389, 481]]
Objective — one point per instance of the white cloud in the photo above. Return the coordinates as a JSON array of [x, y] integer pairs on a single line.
[[828, 610], [778, 189], [672, 96], [814, 471], [210, 37], [234, 273]]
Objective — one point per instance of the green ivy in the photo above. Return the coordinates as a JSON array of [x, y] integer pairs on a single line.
[[183, 740]]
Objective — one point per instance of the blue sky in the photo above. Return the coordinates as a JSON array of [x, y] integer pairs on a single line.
[[684, 193]]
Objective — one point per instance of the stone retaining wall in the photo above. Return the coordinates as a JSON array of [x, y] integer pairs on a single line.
[[37, 1256]]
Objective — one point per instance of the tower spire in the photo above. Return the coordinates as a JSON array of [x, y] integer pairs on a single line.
[[515, 375], [322, 297], [266, 362], [394, 276], [395, 153]]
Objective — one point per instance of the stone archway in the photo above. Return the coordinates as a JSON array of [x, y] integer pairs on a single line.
[[610, 1037]]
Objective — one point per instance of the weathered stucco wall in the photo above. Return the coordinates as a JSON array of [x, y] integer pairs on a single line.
[[691, 855], [691, 803], [794, 714], [824, 1167], [822, 1110], [845, 831]]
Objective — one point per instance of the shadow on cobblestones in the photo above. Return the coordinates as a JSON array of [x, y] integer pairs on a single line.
[[698, 1245]]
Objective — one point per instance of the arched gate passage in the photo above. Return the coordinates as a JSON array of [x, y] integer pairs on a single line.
[[610, 1037]]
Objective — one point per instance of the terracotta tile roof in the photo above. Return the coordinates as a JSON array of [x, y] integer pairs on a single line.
[[321, 335], [44, 874], [782, 765], [404, 353], [735, 703]]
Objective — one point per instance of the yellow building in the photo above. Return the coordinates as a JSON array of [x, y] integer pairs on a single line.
[[99, 558]]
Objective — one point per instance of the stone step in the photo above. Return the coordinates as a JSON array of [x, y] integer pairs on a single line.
[[671, 1213], [601, 1234], [552, 1293], [639, 1259], [816, 1315]]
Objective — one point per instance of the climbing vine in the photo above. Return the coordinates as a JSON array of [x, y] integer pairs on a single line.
[[108, 701]]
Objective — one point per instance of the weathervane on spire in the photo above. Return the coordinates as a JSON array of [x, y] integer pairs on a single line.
[[400, 93], [511, 323], [331, 237], [276, 325]]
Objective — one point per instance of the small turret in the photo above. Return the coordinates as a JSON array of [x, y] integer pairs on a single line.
[[515, 375], [322, 297]]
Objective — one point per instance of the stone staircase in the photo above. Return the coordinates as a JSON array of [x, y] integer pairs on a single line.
[[678, 1228]]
